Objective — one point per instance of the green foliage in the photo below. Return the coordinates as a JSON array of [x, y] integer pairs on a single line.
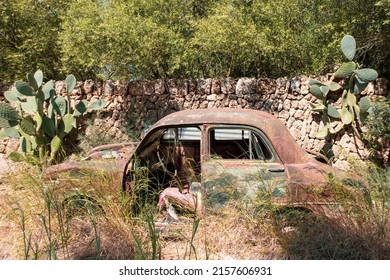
[[377, 123], [141, 39], [28, 31], [42, 118], [354, 108]]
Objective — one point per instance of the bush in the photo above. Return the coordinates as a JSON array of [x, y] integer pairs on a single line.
[[378, 133]]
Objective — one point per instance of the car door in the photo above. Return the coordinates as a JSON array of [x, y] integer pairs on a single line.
[[240, 162]]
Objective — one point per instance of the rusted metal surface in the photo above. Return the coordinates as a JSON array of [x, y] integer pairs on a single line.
[[117, 151], [287, 149], [289, 176]]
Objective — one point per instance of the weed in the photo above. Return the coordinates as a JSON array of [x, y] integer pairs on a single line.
[[100, 221]]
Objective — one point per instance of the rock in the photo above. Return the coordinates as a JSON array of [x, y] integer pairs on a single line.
[[109, 88], [212, 97], [266, 86], [120, 88], [286, 105], [203, 105], [60, 88], [89, 86], [159, 87], [216, 86], [203, 86], [228, 86], [246, 86], [299, 114], [284, 115]]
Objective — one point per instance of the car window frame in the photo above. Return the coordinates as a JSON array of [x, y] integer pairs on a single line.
[[263, 137]]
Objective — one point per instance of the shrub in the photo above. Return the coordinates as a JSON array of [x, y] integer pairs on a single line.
[[41, 118]]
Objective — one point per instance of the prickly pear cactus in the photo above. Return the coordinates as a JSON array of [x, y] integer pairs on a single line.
[[353, 80], [39, 118]]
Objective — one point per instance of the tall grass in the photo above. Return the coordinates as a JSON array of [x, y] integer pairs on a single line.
[[100, 221]]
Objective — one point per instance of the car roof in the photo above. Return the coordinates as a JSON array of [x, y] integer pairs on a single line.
[[278, 134]]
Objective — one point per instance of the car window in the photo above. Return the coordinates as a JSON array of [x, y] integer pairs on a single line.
[[183, 134], [238, 143]]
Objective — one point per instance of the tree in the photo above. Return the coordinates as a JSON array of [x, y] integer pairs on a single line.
[[128, 39], [143, 39], [28, 31]]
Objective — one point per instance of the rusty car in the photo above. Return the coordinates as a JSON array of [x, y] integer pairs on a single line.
[[194, 159]]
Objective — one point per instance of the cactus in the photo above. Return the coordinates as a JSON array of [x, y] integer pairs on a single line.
[[39, 118], [354, 80]]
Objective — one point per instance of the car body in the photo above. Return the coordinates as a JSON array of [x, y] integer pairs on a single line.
[[200, 158]]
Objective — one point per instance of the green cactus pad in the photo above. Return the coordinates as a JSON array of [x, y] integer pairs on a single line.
[[81, 108], [358, 112], [315, 82], [316, 91], [48, 126], [30, 106], [12, 95], [348, 47], [66, 125], [338, 127], [7, 123], [346, 69], [333, 86], [48, 90], [27, 126], [332, 112], [55, 145], [58, 105], [32, 82], [346, 116], [70, 83], [359, 86], [323, 132], [3, 135], [364, 104], [34, 143], [38, 120], [325, 90], [97, 104], [317, 107], [24, 88], [351, 99], [38, 75], [8, 112], [12, 132], [366, 74], [25, 144]]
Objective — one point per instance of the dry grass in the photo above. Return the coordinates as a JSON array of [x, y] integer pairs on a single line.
[[37, 226]]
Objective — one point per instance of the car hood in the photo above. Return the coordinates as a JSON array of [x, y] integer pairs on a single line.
[[107, 159]]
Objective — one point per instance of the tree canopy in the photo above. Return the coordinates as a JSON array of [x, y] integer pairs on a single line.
[[146, 39]]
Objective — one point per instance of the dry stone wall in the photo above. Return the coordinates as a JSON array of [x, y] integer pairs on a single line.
[[134, 106]]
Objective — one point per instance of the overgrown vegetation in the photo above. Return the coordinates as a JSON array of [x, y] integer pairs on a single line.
[[39, 118], [142, 39], [101, 224], [354, 80], [378, 129]]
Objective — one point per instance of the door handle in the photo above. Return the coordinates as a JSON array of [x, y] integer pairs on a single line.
[[276, 169]]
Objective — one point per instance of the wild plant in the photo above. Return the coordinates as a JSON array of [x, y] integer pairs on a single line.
[[40, 118]]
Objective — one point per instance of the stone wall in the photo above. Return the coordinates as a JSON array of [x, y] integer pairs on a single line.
[[133, 106]]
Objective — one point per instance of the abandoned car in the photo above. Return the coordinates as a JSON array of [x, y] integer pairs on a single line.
[[193, 159]]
